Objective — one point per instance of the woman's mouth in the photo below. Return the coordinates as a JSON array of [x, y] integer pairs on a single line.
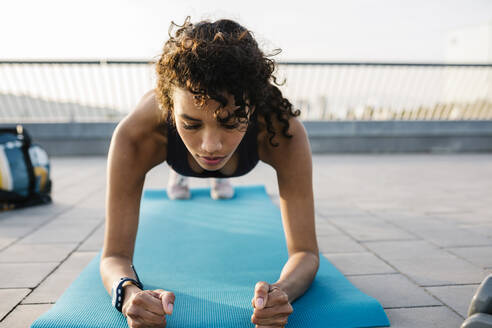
[[212, 160]]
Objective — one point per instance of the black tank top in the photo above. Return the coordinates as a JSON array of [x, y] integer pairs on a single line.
[[177, 154]]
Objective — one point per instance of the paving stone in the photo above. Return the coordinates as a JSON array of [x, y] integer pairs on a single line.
[[456, 297], [393, 290], [24, 315], [443, 233], [413, 250], [9, 298], [5, 241], [337, 211], [338, 244], [440, 271], [84, 212], [358, 263], [324, 228], [372, 204], [369, 228], [54, 286], [36, 252], [62, 231], [24, 275], [95, 241], [19, 220], [480, 256], [483, 228], [36, 213], [428, 317]]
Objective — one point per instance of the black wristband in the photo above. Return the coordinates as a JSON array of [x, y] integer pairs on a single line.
[[118, 292]]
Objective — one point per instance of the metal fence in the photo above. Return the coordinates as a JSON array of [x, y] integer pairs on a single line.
[[61, 91]]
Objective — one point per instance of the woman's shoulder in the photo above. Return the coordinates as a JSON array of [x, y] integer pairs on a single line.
[[143, 130], [146, 119], [267, 150]]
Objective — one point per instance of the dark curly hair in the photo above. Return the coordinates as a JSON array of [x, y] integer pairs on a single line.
[[212, 58]]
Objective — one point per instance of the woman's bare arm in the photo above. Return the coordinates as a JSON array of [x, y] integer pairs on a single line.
[[293, 164], [137, 145]]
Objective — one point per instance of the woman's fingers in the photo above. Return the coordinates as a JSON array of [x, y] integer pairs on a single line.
[[261, 295], [277, 315], [275, 297], [275, 310], [140, 317], [167, 300], [145, 309], [149, 302]]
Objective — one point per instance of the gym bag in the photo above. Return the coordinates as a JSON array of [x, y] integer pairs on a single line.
[[24, 170]]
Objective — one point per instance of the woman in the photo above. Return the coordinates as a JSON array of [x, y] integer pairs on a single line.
[[214, 113]]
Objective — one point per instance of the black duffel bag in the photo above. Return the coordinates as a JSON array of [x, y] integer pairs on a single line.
[[24, 170]]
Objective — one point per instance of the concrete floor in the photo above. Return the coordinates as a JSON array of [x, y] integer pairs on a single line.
[[414, 231]]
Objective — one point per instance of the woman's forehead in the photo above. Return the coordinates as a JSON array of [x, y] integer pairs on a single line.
[[186, 102]]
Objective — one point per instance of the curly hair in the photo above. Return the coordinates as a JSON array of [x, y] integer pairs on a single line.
[[212, 58]]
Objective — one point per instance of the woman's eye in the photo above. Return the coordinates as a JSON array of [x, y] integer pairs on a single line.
[[191, 127], [231, 126]]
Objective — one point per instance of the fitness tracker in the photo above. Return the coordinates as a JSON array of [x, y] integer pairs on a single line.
[[118, 291]]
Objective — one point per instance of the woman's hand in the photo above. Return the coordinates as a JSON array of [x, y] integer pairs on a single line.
[[271, 306], [148, 308]]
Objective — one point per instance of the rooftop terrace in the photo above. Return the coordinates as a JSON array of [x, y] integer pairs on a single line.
[[414, 231]]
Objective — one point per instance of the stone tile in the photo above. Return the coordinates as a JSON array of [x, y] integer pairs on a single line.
[[443, 233], [24, 315], [428, 317], [455, 237], [83, 212], [95, 241], [9, 298], [439, 271], [328, 211], [324, 228], [6, 241], [34, 213], [338, 244], [36, 252], [393, 290], [412, 250], [26, 275], [456, 297], [369, 229], [480, 256], [484, 229], [62, 231], [358, 263], [54, 286], [375, 205]]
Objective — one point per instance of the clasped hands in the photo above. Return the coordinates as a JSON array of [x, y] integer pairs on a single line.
[[148, 308]]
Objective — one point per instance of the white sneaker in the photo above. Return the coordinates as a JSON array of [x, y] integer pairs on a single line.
[[221, 189], [177, 186]]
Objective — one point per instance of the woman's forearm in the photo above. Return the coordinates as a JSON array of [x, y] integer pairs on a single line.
[[298, 273], [113, 268]]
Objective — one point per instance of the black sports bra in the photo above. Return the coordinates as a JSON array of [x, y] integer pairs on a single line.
[[177, 154]]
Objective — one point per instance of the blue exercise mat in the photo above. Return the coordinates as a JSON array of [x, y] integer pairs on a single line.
[[211, 254]]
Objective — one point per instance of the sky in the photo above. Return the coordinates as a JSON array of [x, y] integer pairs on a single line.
[[308, 30]]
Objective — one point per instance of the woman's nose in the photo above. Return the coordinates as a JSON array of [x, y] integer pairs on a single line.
[[211, 143]]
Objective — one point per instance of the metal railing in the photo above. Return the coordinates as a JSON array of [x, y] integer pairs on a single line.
[[106, 90]]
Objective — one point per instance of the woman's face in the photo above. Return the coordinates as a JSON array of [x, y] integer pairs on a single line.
[[210, 142]]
